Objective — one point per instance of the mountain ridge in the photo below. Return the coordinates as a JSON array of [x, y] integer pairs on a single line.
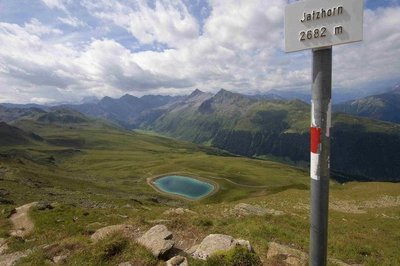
[[385, 106], [278, 128]]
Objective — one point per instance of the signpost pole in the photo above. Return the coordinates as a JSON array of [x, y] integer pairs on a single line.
[[320, 154], [318, 25]]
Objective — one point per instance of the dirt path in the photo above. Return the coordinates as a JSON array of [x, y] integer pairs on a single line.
[[21, 221]]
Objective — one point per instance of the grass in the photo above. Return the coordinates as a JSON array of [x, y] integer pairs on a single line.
[[102, 181]]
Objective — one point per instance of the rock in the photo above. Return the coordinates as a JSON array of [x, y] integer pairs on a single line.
[[178, 211], [3, 245], [291, 256], [216, 242], [192, 250], [243, 209], [126, 230], [127, 263], [288, 255], [245, 243], [21, 221], [60, 259], [158, 240], [13, 258], [177, 260]]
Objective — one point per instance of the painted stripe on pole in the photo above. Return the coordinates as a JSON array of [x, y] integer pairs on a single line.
[[315, 139], [314, 166], [329, 121], [313, 123]]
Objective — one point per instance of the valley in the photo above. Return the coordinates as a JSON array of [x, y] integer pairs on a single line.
[[94, 174]]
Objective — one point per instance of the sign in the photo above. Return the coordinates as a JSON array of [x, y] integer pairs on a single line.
[[322, 23]]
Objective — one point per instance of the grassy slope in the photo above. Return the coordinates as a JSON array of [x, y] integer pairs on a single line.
[[108, 168]]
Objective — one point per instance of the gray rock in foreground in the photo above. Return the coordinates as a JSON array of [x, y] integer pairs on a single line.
[[158, 240], [216, 242]]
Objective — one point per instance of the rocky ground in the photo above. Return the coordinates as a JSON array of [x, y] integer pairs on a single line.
[[159, 239]]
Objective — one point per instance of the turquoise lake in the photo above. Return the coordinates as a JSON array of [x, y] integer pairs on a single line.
[[184, 186]]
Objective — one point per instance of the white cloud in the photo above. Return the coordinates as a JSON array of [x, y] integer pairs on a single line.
[[169, 22], [104, 66], [60, 4], [72, 21], [37, 28], [240, 48], [376, 57]]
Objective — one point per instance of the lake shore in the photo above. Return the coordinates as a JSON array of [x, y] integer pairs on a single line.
[[151, 180]]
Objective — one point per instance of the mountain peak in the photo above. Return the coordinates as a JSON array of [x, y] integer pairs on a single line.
[[195, 93], [89, 99]]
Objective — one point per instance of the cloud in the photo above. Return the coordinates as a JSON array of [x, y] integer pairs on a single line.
[[72, 21], [60, 4], [173, 47], [376, 57], [37, 28], [168, 22], [103, 66]]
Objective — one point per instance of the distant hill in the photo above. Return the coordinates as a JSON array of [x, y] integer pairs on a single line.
[[122, 110], [62, 115], [278, 128], [14, 113], [10, 135], [384, 106]]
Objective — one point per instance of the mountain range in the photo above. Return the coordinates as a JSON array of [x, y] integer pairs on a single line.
[[256, 127], [277, 128], [385, 106]]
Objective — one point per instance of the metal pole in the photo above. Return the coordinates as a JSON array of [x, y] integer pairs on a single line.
[[320, 154]]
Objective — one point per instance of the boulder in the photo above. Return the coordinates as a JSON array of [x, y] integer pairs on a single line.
[[244, 209], [3, 245], [288, 255], [126, 230], [294, 257], [13, 258], [158, 239], [177, 260], [216, 242]]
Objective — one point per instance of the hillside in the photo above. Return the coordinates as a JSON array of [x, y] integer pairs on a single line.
[[278, 129], [14, 113], [384, 106], [103, 182], [12, 136], [62, 115]]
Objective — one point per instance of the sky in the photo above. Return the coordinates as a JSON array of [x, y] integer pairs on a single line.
[[65, 50]]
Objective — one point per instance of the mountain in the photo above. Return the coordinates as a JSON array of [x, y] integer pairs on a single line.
[[338, 95], [279, 129], [384, 106], [122, 110], [23, 106], [89, 99], [11, 114], [10, 135], [62, 115]]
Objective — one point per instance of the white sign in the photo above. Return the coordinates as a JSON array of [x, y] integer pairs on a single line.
[[322, 23]]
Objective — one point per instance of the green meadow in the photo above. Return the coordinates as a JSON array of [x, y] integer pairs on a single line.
[[96, 175]]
